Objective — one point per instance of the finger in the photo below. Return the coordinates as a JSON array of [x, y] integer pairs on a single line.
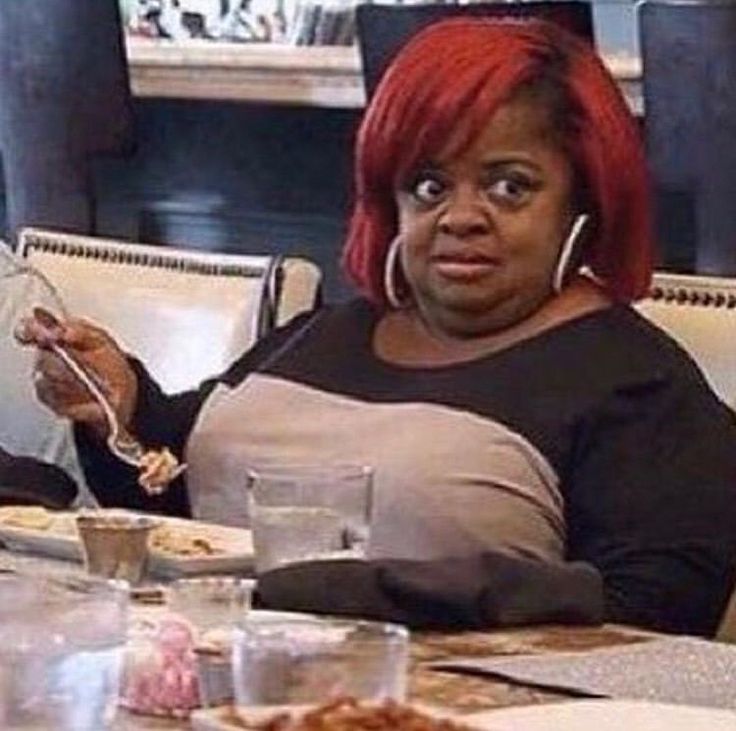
[[86, 411], [82, 335], [56, 372], [30, 331]]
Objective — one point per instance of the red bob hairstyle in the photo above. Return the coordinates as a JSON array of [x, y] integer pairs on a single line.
[[447, 82]]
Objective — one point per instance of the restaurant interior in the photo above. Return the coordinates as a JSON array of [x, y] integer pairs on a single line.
[[182, 175]]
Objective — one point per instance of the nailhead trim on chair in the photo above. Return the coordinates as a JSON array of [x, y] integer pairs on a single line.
[[71, 247], [694, 290]]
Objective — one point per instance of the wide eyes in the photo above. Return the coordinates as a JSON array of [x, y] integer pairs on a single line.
[[513, 189], [505, 188], [428, 189]]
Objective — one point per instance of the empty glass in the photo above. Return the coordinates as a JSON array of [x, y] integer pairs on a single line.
[[309, 512], [61, 648], [211, 602], [305, 661]]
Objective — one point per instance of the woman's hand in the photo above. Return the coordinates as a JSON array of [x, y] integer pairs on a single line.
[[58, 388]]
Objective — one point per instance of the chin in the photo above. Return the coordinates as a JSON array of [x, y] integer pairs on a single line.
[[473, 314]]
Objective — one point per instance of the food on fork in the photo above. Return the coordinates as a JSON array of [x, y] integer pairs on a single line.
[[347, 714], [158, 468]]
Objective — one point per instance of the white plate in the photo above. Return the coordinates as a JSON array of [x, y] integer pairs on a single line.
[[603, 715], [60, 540]]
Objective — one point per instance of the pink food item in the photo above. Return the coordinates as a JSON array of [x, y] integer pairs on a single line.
[[159, 676]]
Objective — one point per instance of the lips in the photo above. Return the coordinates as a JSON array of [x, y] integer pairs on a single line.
[[464, 264]]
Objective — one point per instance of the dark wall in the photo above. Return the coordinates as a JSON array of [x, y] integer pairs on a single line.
[[233, 177]]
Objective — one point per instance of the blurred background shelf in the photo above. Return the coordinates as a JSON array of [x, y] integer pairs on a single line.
[[320, 76]]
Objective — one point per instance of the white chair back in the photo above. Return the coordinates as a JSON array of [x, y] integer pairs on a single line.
[[186, 314], [700, 313]]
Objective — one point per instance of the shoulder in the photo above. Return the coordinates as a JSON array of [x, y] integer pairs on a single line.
[[622, 344]]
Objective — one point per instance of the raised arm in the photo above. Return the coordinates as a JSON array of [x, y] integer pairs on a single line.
[[158, 420]]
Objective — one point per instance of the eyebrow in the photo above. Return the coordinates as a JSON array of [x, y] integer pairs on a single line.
[[505, 161]]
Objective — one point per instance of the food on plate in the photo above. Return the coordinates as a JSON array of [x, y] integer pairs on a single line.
[[172, 538], [182, 541], [347, 714], [30, 517]]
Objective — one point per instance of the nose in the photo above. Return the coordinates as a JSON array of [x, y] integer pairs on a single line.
[[464, 215]]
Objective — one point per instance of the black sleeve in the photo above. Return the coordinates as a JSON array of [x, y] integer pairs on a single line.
[[651, 511], [652, 504], [162, 420]]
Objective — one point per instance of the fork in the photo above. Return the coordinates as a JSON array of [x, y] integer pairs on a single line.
[[119, 441]]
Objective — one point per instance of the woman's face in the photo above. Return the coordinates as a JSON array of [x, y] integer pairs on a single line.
[[482, 229]]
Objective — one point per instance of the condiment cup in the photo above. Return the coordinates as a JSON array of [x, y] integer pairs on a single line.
[[115, 546]]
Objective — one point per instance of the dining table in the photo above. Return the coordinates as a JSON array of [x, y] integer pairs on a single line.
[[464, 693], [454, 692]]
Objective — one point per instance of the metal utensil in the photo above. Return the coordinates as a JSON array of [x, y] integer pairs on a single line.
[[119, 441]]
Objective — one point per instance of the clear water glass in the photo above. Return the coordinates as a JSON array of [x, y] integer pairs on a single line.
[[61, 652], [308, 513], [306, 661], [211, 602]]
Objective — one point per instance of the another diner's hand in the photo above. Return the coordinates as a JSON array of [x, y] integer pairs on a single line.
[[96, 351]]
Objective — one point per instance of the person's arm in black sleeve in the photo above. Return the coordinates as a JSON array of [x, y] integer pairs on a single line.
[[652, 505], [162, 420]]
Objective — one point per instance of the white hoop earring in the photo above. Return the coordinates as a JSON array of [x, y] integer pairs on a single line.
[[566, 252], [389, 272]]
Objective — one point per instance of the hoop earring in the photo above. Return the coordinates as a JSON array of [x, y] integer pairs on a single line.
[[389, 274], [566, 252]]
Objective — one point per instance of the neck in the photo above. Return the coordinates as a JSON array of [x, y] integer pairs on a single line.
[[407, 336]]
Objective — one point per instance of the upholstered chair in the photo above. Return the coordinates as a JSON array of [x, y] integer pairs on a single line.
[[186, 314]]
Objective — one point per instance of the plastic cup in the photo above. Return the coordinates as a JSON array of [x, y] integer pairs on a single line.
[[214, 605], [61, 652], [309, 661]]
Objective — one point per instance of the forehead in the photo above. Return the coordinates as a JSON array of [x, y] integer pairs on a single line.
[[524, 125]]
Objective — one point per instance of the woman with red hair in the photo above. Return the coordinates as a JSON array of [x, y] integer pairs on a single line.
[[541, 452]]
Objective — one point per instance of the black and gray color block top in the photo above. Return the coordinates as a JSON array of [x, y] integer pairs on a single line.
[[586, 473]]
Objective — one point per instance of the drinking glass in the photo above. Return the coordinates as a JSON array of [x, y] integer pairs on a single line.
[[211, 602], [309, 512], [214, 605], [61, 649], [300, 661]]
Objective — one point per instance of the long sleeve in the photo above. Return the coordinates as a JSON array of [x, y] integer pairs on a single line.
[[651, 512], [162, 420], [652, 504]]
